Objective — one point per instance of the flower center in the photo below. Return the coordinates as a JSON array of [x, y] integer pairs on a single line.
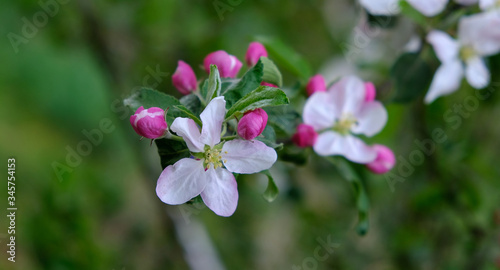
[[467, 53], [344, 124], [212, 156]]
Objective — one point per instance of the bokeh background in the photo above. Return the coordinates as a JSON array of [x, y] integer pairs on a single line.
[[72, 73]]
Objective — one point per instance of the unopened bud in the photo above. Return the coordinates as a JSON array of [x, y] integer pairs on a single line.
[[305, 136], [149, 123], [252, 124], [228, 65]]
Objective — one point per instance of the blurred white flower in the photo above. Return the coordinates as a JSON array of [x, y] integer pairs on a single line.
[[427, 7], [478, 37]]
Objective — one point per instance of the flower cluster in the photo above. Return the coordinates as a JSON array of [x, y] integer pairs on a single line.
[[213, 160], [333, 118]]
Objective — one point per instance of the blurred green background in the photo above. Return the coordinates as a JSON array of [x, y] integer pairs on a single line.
[[71, 74]]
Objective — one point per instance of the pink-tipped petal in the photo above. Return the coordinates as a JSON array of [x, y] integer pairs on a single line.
[[184, 78], [255, 51], [240, 156], [182, 181], [252, 124], [384, 162], [305, 136], [316, 84], [221, 192]]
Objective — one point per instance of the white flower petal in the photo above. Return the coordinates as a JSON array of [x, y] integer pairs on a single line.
[[182, 181], [429, 7], [481, 32], [446, 48], [190, 132], [487, 4], [221, 192], [212, 118], [371, 119], [319, 111], [331, 143], [348, 95], [240, 156], [447, 80], [381, 7], [477, 73]]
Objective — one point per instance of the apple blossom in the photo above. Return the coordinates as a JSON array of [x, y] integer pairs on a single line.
[[149, 123], [209, 172], [340, 113], [228, 65], [478, 37], [428, 8], [184, 78]]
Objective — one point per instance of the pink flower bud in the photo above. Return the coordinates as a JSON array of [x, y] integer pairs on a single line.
[[384, 162], [149, 123], [305, 136], [370, 92], [254, 53], [252, 124], [316, 84], [268, 84], [228, 65], [184, 78]]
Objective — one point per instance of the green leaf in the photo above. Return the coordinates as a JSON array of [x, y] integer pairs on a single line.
[[362, 201], [214, 84], [272, 190], [412, 77], [385, 22], [148, 98], [261, 97], [286, 57], [193, 103], [283, 118], [249, 82], [409, 11], [171, 151], [189, 114], [268, 137], [294, 154], [271, 72]]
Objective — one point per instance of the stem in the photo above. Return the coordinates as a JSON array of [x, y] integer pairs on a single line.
[[230, 138]]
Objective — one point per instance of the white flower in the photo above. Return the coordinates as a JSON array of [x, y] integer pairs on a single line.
[[489, 4], [340, 113], [391, 7], [478, 37], [205, 174]]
